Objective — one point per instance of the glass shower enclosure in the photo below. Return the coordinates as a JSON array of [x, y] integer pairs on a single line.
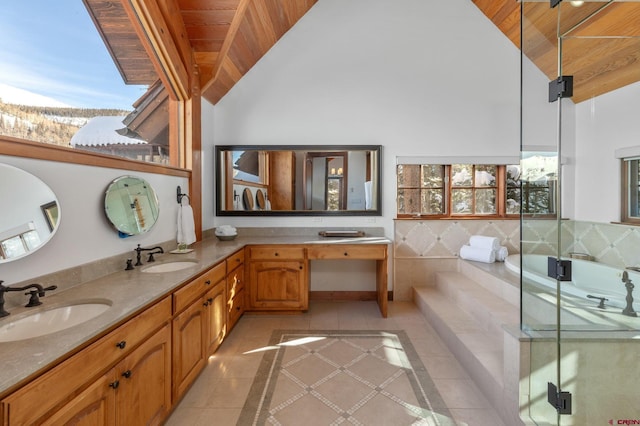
[[580, 148]]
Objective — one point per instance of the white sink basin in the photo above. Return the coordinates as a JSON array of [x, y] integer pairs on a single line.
[[49, 321], [170, 266]]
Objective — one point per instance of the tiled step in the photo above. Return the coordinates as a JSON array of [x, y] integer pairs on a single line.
[[470, 314]]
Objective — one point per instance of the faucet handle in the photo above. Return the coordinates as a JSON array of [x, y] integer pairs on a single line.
[[33, 300], [51, 287]]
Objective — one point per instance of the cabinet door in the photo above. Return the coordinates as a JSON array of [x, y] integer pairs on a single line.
[[278, 285], [189, 328], [216, 307], [144, 394], [235, 296], [95, 406]]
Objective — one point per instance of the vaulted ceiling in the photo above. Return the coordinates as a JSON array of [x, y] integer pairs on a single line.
[[223, 38], [600, 40], [220, 40]]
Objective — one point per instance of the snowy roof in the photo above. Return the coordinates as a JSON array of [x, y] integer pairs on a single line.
[[103, 131]]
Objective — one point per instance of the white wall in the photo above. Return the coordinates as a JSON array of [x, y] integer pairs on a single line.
[[604, 124], [419, 78], [84, 234]]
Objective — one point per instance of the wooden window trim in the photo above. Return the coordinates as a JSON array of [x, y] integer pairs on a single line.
[[501, 196], [40, 151], [625, 219]]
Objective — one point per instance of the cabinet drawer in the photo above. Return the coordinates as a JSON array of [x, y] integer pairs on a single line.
[[345, 251], [276, 252], [196, 288], [235, 260], [31, 402]]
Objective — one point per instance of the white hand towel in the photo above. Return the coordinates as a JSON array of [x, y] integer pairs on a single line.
[[501, 254], [186, 226], [478, 254], [367, 195], [483, 241]]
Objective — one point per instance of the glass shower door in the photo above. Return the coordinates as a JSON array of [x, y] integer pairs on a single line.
[[580, 73]]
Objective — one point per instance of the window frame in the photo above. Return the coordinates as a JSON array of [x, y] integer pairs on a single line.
[[625, 180], [501, 195], [40, 151]]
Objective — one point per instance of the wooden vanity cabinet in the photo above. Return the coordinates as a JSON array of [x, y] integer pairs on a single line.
[[83, 390], [133, 392], [278, 278], [196, 328], [235, 288]]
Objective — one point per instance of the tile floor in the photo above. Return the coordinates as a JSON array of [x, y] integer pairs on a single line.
[[218, 395]]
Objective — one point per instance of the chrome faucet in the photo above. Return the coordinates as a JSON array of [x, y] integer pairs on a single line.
[[35, 294], [139, 250]]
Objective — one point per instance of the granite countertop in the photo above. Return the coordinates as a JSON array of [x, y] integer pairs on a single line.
[[128, 292]]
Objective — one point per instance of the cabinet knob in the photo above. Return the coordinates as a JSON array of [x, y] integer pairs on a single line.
[[121, 344], [114, 385], [210, 300], [276, 254], [346, 254], [301, 267], [205, 304], [208, 282], [126, 374]]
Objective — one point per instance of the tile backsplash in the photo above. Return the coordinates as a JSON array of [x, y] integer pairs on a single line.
[[613, 244], [443, 238]]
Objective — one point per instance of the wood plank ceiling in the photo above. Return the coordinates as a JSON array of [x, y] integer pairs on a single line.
[[601, 40], [226, 37]]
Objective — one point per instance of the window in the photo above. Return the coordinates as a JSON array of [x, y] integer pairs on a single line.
[[631, 190], [471, 191], [59, 84]]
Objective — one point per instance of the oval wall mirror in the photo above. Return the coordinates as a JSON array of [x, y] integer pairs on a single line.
[[131, 205], [30, 213]]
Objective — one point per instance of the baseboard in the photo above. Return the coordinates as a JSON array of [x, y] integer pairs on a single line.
[[343, 295]]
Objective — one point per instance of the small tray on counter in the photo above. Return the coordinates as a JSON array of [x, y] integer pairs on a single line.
[[342, 233]]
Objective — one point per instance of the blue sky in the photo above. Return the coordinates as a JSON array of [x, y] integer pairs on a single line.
[[52, 48]]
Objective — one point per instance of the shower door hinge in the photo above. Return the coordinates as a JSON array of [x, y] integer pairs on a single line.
[[558, 269], [561, 87], [561, 401]]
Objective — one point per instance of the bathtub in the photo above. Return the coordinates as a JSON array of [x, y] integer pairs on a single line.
[[588, 278]]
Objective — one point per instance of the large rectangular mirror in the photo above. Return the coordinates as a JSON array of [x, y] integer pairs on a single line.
[[298, 180]]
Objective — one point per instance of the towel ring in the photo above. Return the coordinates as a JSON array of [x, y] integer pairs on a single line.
[[179, 196]]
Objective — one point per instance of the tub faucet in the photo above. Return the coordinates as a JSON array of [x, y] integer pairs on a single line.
[[139, 250], [628, 310]]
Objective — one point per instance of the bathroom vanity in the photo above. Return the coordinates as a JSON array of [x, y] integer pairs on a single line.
[[133, 363]]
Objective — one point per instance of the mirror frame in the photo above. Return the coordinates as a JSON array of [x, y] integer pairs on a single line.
[[219, 149]]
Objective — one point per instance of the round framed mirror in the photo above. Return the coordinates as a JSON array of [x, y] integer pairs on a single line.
[[131, 205], [30, 213], [247, 199], [260, 199]]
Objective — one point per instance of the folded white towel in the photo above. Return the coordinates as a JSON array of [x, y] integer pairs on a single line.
[[226, 230], [483, 241], [478, 254], [186, 225], [501, 254]]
